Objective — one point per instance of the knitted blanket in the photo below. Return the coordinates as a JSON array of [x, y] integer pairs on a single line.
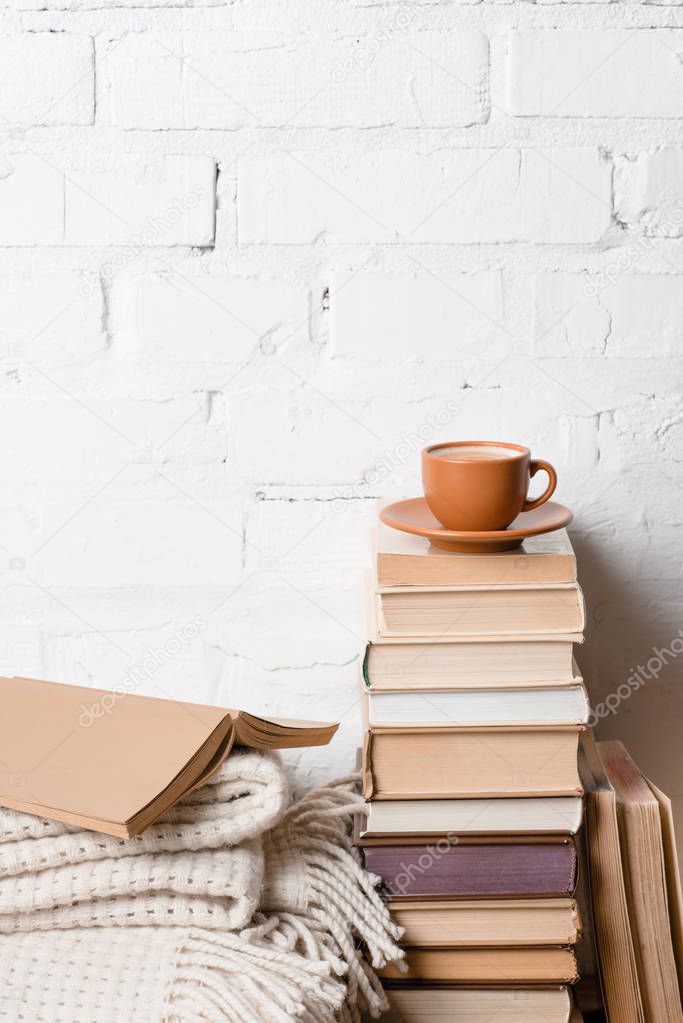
[[230, 908]]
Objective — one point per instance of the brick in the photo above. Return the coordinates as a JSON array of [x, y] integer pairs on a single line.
[[96, 5], [622, 73], [208, 318], [47, 78], [313, 544], [418, 316], [613, 314], [50, 319], [233, 80], [31, 202], [468, 195], [141, 202], [649, 193], [296, 629], [304, 427], [113, 543]]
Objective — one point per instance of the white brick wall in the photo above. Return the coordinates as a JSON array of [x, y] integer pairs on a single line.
[[500, 194], [253, 256], [236, 80], [47, 79], [598, 74]]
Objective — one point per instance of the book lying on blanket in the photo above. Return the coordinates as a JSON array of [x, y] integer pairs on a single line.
[[114, 761]]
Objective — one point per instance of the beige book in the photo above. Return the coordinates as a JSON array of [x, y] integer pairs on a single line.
[[673, 877], [407, 560], [488, 663], [452, 923], [504, 966], [115, 761], [443, 763], [613, 939], [645, 874], [479, 1005], [418, 612]]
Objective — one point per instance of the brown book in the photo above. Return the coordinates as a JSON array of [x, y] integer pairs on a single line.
[[616, 954], [504, 610], [438, 763], [452, 923], [490, 662], [407, 560], [504, 966], [114, 761], [455, 869], [644, 857], [423, 1004]]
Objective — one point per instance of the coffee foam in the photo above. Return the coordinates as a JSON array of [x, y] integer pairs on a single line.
[[474, 452]]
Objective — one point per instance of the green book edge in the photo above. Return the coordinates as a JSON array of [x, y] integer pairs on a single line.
[[366, 675]]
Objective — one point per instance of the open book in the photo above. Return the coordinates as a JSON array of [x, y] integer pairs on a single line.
[[113, 761]]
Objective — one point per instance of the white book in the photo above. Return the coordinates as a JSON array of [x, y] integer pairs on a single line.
[[562, 705], [551, 815]]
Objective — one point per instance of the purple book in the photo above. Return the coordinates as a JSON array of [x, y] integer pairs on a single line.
[[473, 871]]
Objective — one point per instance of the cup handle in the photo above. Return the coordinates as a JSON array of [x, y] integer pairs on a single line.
[[534, 466]]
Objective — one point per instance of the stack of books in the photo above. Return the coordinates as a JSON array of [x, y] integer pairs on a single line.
[[474, 710]]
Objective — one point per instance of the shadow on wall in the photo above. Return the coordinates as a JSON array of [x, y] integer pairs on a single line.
[[632, 659]]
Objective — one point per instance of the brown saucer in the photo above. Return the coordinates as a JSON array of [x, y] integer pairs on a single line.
[[413, 516]]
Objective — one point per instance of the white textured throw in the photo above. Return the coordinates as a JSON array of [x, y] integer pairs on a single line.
[[230, 908]]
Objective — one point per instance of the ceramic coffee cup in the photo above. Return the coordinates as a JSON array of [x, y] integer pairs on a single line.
[[479, 485]]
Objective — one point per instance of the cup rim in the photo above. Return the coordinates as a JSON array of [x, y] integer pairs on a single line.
[[429, 452]]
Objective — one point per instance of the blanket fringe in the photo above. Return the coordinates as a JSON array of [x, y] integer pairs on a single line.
[[335, 914], [226, 977]]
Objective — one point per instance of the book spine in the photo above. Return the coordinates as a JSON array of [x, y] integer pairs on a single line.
[[368, 780], [444, 870], [366, 666]]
